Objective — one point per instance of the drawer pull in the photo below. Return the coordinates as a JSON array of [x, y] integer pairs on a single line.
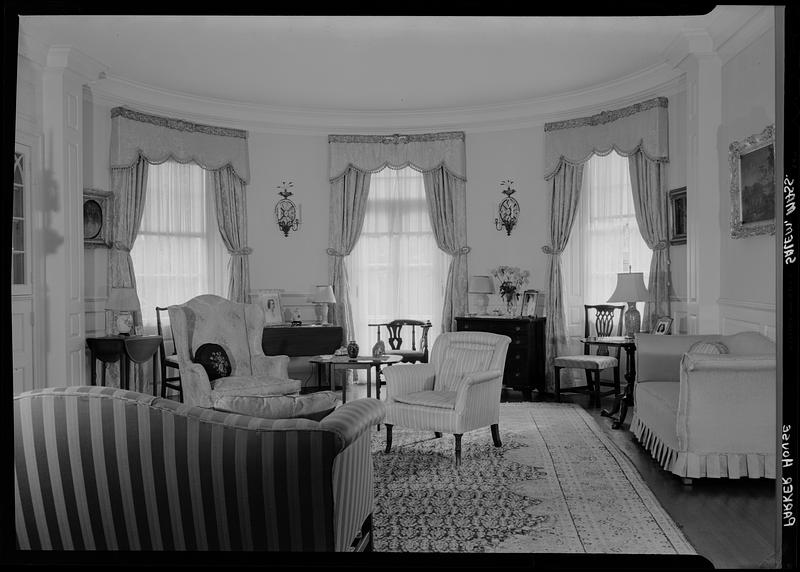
[[517, 328]]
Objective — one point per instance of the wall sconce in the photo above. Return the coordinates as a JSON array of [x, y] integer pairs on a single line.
[[508, 209], [286, 214]]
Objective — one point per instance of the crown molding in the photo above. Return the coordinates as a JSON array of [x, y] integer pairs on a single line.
[[660, 79], [754, 28], [67, 57], [32, 49], [696, 41]]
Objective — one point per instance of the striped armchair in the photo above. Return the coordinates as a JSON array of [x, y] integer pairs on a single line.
[[457, 391], [100, 468]]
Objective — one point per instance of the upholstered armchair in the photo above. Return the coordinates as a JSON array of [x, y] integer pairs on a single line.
[[705, 404], [105, 469], [218, 347], [457, 391]]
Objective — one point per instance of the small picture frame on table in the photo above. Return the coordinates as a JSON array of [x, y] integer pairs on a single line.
[[270, 303], [97, 213], [662, 326], [530, 298]]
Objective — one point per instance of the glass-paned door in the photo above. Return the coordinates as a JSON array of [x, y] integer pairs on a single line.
[[19, 244]]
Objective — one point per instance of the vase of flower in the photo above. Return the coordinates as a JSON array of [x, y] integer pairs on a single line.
[[511, 280]]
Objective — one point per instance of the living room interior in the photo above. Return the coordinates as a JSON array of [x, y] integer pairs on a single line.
[[262, 149]]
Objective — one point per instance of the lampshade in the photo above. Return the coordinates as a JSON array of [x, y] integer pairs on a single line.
[[324, 295], [630, 288], [481, 285], [123, 300]]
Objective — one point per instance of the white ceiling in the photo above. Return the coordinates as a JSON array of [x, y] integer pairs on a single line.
[[377, 64]]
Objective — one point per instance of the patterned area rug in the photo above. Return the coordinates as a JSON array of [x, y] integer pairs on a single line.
[[557, 484]]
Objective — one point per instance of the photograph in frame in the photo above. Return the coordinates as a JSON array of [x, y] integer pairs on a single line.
[[529, 303], [663, 326], [270, 303], [752, 164]]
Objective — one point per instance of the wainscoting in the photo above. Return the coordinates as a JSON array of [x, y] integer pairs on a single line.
[[734, 316]]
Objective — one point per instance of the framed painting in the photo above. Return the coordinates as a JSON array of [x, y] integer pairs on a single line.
[[752, 163], [529, 299], [97, 212], [270, 303], [677, 216]]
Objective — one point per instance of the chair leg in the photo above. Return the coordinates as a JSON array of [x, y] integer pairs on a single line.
[[388, 437], [496, 435], [617, 389], [369, 530], [438, 434], [596, 374], [458, 448], [557, 382]]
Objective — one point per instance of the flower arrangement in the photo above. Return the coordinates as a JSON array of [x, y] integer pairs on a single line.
[[511, 279]]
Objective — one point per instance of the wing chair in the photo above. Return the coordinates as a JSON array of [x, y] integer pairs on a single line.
[[105, 469], [705, 404], [457, 391], [232, 333]]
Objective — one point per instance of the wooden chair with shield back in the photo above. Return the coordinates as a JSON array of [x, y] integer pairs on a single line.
[[607, 322], [172, 382], [416, 344]]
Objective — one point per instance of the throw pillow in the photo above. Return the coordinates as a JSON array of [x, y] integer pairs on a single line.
[[214, 360], [702, 347], [313, 406]]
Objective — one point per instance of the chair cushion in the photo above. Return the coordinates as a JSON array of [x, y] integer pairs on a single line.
[[314, 406], [214, 360], [586, 362], [255, 385], [440, 399], [461, 360], [708, 348]]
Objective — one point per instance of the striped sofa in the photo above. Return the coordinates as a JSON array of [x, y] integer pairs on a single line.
[[100, 468]]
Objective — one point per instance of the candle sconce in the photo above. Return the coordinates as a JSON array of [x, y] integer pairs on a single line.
[[287, 215], [508, 210]]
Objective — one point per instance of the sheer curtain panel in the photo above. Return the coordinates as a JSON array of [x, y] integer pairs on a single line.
[[178, 253], [396, 270]]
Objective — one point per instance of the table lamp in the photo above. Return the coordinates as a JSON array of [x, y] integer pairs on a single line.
[[630, 289], [482, 285], [124, 301], [323, 296]]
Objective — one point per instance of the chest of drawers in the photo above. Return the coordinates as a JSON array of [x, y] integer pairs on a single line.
[[526, 353]]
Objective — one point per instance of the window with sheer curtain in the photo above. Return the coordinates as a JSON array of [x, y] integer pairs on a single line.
[[605, 239], [178, 253], [396, 270]]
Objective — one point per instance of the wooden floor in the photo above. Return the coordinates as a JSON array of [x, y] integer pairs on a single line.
[[730, 522]]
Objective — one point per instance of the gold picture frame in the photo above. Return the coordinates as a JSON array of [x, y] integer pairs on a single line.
[[753, 195], [663, 326], [98, 210], [677, 215]]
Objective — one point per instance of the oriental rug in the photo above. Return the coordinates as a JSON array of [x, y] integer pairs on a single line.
[[558, 484]]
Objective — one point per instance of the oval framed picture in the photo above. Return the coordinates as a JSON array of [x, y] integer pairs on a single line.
[[97, 217]]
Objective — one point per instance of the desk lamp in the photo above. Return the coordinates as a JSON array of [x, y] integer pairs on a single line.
[[630, 289]]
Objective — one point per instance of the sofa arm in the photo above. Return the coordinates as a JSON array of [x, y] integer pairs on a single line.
[[353, 418], [273, 366], [408, 378], [727, 403]]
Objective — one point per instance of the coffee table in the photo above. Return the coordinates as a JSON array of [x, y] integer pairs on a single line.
[[331, 364]]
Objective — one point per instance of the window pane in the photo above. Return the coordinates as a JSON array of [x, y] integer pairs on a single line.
[[17, 235], [18, 268]]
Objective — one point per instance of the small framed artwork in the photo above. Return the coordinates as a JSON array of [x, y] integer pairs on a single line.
[[270, 302], [752, 163], [662, 326], [529, 303], [677, 216], [97, 212]]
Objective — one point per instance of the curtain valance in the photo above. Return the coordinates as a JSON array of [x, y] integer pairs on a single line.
[[643, 125], [371, 153], [157, 139]]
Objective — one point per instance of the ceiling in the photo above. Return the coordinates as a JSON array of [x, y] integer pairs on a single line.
[[377, 64]]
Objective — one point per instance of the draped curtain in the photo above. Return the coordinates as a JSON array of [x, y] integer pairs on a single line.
[[137, 136], [639, 129], [649, 184], [353, 156]]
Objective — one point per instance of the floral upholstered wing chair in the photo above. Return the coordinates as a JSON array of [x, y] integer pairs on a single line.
[[457, 391], [218, 346]]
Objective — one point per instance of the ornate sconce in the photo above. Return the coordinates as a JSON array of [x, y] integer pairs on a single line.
[[286, 214], [508, 209]]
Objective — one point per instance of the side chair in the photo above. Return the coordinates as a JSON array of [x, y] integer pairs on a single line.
[[168, 361], [607, 319]]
